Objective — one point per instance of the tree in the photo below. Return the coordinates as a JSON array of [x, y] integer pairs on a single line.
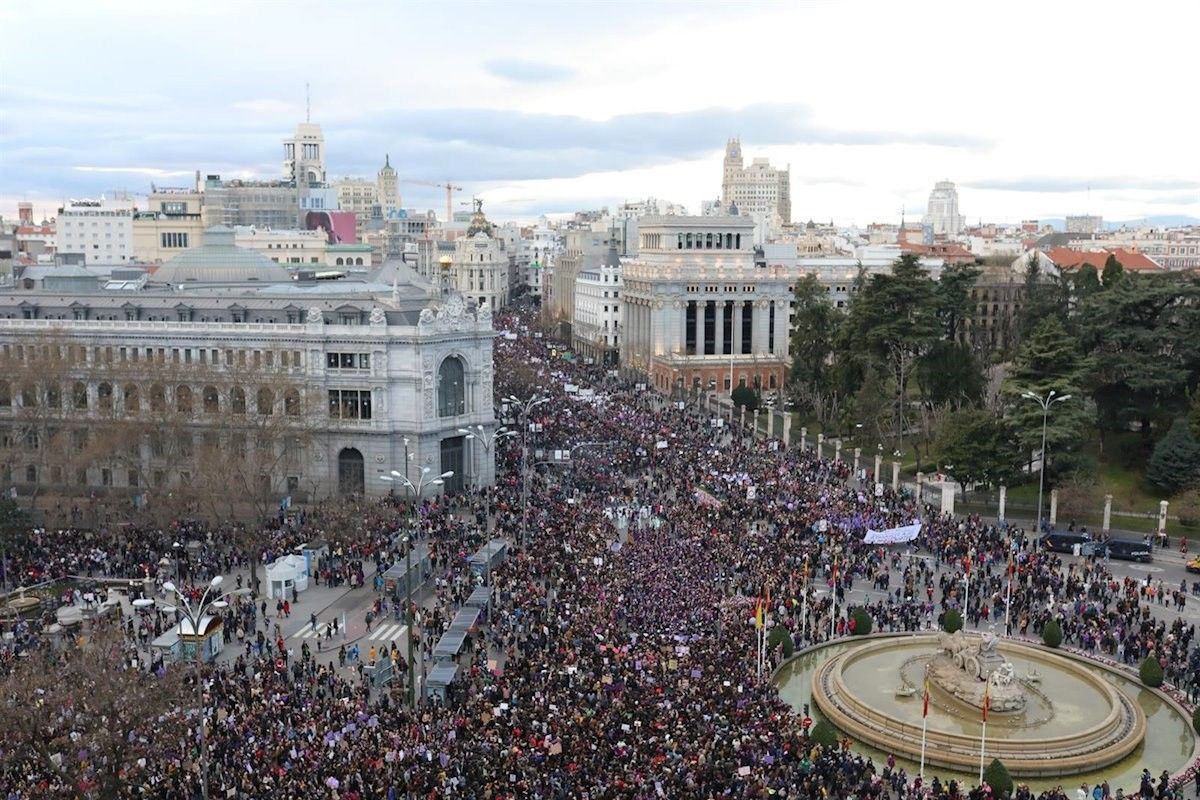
[[1047, 360], [1052, 634], [1186, 506], [824, 735], [894, 321], [745, 397], [82, 718], [996, 776], [814, 330], [1175, 464], [862, 621], [1139, 334], [1045, 296], [950, 373], [954, 305], [13, 522], [975, 447], [1151, 672], [1085, 282], [781, 637], [1113, 271], [952, 621]]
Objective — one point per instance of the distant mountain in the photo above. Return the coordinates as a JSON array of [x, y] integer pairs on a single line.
[[1160, 221]]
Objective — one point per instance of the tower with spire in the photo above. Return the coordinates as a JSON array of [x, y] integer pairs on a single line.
[[389, 187], [732, 169]]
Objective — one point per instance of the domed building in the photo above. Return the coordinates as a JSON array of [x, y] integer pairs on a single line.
[[480, 267], [220, 262]]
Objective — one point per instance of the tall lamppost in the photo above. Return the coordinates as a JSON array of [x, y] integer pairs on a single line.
[[418, 488], [212, 600], [1045, 402], [523, 408], [481, 435]]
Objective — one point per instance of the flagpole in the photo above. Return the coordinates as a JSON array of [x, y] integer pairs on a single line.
[[1008, 597], [924, 723], [987, 702], [833, 599]]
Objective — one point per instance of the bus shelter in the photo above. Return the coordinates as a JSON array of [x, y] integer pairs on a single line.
[[488, 557], [437, 685]]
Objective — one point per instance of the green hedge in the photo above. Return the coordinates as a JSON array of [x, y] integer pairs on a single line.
[[952, 621], [862, 621], [1052, 634], [824, 735], [1150, 672], [780, 635]]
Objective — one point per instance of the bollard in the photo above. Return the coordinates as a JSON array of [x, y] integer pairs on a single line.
[[803, 439], [1054, 506], [857, 455], [895, 476], [1107, 512], [820, 445], [1003, 499]]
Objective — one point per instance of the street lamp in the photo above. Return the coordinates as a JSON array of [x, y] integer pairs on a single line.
[[480, 434], [195, 615], [418, 489], [1045, 402], [523, 408]]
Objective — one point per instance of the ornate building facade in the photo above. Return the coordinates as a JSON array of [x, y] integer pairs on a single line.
[[340, 382], [697, 312]]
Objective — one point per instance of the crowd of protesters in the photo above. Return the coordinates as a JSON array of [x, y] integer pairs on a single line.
[[617, 659]]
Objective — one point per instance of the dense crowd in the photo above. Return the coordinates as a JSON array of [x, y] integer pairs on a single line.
[[618, 657]]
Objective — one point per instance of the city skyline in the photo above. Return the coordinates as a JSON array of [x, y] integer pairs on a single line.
[[540, 110]]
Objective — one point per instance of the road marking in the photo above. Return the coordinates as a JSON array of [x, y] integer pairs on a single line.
[[390, 633], [1144, 568]]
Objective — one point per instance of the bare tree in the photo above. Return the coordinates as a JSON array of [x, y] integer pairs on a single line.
[[78, 720]]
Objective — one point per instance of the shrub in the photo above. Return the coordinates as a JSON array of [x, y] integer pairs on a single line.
[[1196, 719], [824, 735], [862, 621], [746, 397], [1175, 463], [996, 776], [780, 635], [1052, 635], [1151, 672], [952, 621]]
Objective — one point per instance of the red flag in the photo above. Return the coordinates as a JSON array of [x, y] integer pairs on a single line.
[[967, 565], [925, 709], [987, 701]]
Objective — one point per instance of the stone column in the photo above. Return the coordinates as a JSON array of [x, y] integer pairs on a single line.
[[756, 421], [787, 429], [1107, 513], [737, 327], [857, 456], [920, 486], [895, 476], [820, 445], [837, 449], [698, 329], [742, 417], [878, 466], [803, 439], [1003, 499], [1162, 518], [719, 333], [1054, 506], [947, 497]]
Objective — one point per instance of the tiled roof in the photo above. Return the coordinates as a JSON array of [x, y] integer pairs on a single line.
[[1066, 258]]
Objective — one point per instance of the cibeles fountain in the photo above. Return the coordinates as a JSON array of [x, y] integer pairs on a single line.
[[1050, 714]]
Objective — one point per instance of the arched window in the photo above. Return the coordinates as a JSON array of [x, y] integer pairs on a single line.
[[29, 396], [265, 401], [237, 400], [340, 261], [451, 388], [53, 396], [104, 396], [708, 241], [5, 394], [679, 242], [79, 395], [158, 397], [689, 241], [211, 400], [291, 403], [132, 402], [183, 399], [358, 262], [729, 241], [737, 241]]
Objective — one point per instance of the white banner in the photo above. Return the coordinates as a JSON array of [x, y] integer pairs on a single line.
[[905, 533]]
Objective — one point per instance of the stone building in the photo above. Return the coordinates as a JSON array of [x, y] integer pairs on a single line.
[[357, 377], [696, 310]]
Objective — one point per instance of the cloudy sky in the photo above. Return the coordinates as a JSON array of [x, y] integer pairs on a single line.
[[1035, 110]]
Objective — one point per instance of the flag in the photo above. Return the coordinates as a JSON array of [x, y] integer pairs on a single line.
[[758, 614], [987, 700], [967, 565], [925, 709]]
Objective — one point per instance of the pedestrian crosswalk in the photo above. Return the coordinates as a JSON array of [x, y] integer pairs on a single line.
[[383, 633]]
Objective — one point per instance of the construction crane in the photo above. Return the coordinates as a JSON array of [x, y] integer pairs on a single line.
[[450, 190]]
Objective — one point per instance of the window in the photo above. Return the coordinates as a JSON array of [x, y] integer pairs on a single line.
[[237, 400], [451, 388], [348, 360], [291, 403], [174, 240], [265, 401], [104, 396], [131, 398], [349, 403], [183, 399], [158, 397], [79, 394], [211, 400]]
